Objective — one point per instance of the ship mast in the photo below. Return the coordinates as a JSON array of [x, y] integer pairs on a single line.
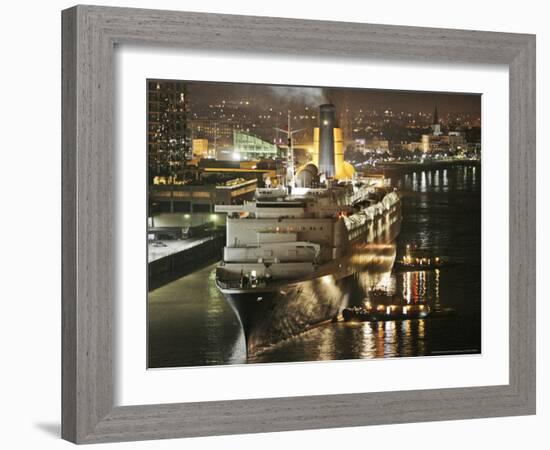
[[290, 179]]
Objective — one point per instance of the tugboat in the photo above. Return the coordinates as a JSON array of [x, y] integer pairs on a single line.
[[383, 313], [394, 312], [413, 261], [381, 308]]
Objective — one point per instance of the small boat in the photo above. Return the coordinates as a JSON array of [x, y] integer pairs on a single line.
[[413, 261], [384, 311]]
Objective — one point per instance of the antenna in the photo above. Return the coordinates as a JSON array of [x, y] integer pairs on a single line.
[[290, 175]]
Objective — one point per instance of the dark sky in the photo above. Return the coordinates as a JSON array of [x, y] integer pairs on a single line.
[[202, 94]]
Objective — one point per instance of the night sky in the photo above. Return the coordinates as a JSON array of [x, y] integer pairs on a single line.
[[261, 97]]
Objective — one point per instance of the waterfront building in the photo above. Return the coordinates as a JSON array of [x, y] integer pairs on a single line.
[[199, 197], [260, 170], [425, 143], [456, 140], [412, 146], [437, 140]]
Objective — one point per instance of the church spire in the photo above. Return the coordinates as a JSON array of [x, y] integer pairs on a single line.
[[436, 126], [436, 117]]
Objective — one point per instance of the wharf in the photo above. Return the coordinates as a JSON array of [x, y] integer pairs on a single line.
[[174, 259]]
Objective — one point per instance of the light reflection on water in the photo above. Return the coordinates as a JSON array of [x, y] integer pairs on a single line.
[[190, 324], [351, 341]]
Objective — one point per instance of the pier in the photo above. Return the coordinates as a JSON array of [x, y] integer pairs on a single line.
[[171, 259]]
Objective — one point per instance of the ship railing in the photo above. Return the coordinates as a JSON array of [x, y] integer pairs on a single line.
[[360, 218], [229, 284], [242, 284]]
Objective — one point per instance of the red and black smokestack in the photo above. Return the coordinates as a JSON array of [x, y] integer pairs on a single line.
[[327, 123]]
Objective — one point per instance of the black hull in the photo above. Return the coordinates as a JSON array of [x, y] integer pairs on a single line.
[[269, 316]]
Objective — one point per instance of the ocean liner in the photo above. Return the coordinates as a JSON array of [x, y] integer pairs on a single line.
[[291, 252]]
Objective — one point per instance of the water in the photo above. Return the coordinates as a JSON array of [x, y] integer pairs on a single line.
[[191, 324]]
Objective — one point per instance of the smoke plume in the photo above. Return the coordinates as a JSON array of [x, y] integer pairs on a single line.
[[309, 96]]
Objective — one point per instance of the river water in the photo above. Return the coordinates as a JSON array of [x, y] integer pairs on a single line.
[[191, 324]]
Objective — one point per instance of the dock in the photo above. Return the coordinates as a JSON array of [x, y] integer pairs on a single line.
[[172, 259]]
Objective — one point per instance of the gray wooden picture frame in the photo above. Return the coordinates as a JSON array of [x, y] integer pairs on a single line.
[[89, 36]]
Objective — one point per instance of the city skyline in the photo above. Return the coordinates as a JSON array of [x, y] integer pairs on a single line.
[[262, 96], [189, 119]]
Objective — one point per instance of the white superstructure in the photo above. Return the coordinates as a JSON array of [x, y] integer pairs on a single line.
[[280, 237]]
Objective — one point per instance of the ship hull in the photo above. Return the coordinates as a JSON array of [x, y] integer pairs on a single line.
[[273, 314]]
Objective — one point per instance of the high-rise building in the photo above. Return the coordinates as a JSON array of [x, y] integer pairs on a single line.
[[168, 131]]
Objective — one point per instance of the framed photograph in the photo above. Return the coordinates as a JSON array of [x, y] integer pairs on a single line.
[[280, 210], [265, 229]]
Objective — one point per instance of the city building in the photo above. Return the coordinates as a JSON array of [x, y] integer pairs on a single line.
[[259, 170], [377, 145], [219, 133], [456, 140], [437, 141], [200, 148], [199, 197], [427, 141], [168, 133], [248, 147], [360, 146]]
